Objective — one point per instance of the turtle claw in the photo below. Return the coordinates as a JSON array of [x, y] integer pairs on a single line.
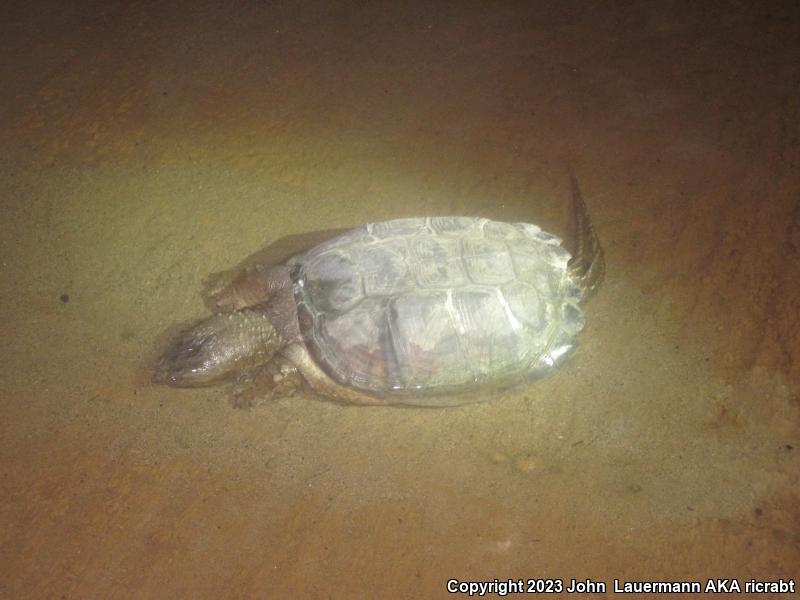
[[216, 291]]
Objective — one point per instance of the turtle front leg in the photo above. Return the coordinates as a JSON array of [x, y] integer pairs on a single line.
[[254, 285], [277, 379]]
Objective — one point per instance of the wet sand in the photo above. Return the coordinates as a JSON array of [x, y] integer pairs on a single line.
[[145, 147]]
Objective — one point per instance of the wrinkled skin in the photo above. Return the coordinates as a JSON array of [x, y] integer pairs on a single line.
[[217, 349]]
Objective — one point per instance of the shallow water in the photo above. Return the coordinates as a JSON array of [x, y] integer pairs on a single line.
[[145, 148]]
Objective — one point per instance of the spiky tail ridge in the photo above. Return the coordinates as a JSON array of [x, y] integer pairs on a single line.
[[587, 265]]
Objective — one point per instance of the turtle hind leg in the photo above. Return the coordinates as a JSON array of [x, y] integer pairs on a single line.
[[252, 286], [319, 381]]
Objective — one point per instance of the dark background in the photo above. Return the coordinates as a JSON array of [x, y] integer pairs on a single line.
[[144, 146]]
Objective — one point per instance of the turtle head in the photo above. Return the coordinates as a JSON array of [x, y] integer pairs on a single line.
[[217, 349]]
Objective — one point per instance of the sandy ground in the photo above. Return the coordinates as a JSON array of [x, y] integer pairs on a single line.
[[145, 146]]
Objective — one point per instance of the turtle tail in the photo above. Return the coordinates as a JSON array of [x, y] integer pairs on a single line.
[[587, 265]]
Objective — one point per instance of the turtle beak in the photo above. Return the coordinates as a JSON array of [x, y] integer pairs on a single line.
[[194, 359], [164, 374], [220, 348]]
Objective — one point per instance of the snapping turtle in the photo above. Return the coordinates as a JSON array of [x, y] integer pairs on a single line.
[[423, 311]]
